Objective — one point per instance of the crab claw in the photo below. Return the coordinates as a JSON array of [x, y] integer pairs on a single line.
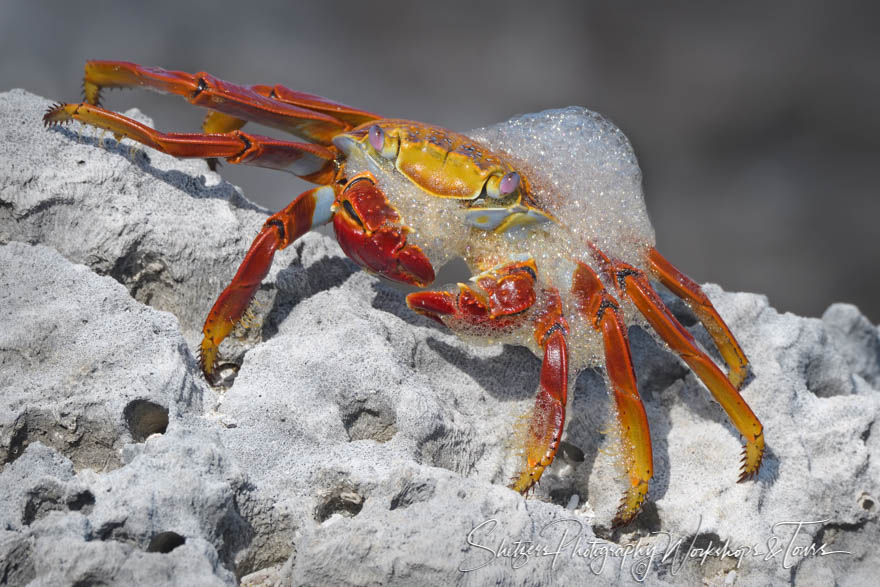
[[498, 298], [369, 231]]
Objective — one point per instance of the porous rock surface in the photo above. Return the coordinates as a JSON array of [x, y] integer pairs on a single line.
[[361, 444]]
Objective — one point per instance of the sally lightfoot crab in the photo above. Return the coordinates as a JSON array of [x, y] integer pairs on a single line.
[[545, 209]]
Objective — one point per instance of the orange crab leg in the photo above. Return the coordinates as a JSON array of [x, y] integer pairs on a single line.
[[685, 288], [635, 285], [548, 418], [499, 299], [310, 209], [311, 162], [604, 313], [311, 117]]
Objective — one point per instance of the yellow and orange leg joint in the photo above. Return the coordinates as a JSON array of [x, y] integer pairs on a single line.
[[310, 209], [604, 313], [635, 285], [548, 418], [311, 162], [311, 117], [688, 290]]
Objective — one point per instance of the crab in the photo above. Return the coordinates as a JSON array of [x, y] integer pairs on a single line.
[[546, 210]]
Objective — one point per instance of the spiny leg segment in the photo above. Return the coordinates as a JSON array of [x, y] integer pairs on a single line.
[[308, 116], [633, 283], [548, 418], [504, 299], [688, 290], [311, 162], [309, 210], [604, 313]]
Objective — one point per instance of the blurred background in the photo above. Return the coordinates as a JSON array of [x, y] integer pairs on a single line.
[[758, 128]]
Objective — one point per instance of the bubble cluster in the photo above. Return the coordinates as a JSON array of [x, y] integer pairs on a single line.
[[582, 170]]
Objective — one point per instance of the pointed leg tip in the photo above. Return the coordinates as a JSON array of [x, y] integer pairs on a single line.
[[752, 458], [630, 504], [56, 114], [525, 481], [207, 363]]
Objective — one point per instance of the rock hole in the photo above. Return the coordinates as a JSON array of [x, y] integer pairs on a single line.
[[571, 453], [145, 418], [826, 374], [343, 501], [18, 443], [225, 374], [112, 530], [82, 501], [867, 502], [562, 496], [165, 542], [370, 422]]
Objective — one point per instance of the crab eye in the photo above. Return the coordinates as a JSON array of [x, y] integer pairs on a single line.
[[377, 137], [509, 183], [498, 187]]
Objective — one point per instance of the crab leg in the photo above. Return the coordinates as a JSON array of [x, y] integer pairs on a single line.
[[635, 285], [310, 209], [500, 300], [685, 288], [548, 417], [311, 162], [311, 117], [604, 313]]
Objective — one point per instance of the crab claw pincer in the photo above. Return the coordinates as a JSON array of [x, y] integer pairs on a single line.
[[369, 231]]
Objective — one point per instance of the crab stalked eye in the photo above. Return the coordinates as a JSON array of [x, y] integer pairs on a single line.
[[377, 137], [383, 143], [498, 186], [509, 183]]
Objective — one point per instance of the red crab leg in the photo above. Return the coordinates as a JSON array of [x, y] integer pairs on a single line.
[[311, 162], [685, 288], [548, 417], [499, 299], [635, 285], [311, 117], [310, 209], [604, 313]]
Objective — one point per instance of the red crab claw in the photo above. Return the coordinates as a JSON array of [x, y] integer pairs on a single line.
[[369, 231], [499, 298]]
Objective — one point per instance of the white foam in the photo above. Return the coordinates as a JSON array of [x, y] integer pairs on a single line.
[[583, 171]]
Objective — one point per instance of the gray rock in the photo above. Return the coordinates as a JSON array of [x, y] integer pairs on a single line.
[[359, 443]]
